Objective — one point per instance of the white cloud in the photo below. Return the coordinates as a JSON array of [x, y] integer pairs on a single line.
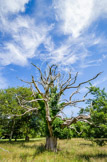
[[12, 6], [73, 51], [12, 54], [25, 35], [63, 55], [49, 44], [76, 16], [24, 43]]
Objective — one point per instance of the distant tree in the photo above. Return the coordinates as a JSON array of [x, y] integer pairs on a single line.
[[97, 108], [11, 113], [53, 89], [32, 125]]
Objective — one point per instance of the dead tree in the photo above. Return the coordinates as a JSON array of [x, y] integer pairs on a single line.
[[51, 80]]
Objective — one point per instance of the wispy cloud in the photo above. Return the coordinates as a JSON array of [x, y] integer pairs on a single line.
[[76, 51], [24, 35], [60, 31], [75, 16]]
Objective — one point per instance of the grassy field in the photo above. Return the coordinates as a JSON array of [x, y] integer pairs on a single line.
[[74, 150]]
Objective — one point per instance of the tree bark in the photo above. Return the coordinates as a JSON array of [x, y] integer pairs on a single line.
[[51, 144], [15, 139], [12, 130], [27, 138]]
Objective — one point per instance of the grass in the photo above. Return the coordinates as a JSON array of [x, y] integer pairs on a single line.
[[74, 150]]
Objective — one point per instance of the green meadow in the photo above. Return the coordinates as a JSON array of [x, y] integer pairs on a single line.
[[69, 150]]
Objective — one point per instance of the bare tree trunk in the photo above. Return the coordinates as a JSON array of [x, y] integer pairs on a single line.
[[27, 138], [51, 143], [12, 130]]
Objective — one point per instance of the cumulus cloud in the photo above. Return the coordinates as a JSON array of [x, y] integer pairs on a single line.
[[76, 16]]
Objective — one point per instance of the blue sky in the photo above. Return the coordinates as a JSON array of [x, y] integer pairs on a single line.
[[71, 33]]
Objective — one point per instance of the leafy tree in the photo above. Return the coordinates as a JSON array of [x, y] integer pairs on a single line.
[[53, 88], [59, 131], [97, 109], [13, 123]]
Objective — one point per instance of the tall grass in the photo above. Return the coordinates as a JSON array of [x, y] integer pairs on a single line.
[[74, 150]]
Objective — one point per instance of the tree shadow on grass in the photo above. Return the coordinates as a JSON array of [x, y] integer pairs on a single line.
[[38, 150], [28, 146], [4, 142], [20, 141], [23, 156], [86, 144], [88, 157]]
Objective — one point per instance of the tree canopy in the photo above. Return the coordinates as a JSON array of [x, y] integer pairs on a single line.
[[52, 90], [97, 109]]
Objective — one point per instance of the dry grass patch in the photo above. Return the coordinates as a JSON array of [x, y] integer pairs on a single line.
[[74, 150]]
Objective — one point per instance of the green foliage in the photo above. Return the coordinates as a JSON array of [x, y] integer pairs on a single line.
[[41, 107], [54, 100], [62, 133], [55, 106], [9, 103], [97, 107], [21, 126]]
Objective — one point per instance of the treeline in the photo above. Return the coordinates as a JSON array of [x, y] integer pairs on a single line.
[[16, 122]]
